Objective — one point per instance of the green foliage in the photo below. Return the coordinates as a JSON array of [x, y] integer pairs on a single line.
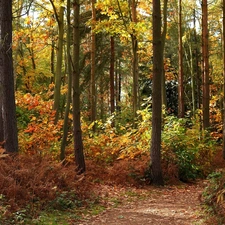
[[64, 201], [122, 142], [22, 117], [213, 196], [183, 146]]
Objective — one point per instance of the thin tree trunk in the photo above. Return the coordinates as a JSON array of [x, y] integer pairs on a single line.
[[1, 114], [101, 90], [68, 99], [155, 151], [112, 85], [78, 142], [58, 72], [223, 79], [197, 74], [7, 78], [165, 6], [135, 60], [205, 64], [181, 74], [118, 86], [192, 82], [93, 83]]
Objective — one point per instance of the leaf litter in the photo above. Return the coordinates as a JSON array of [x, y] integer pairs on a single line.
[[169, 205]]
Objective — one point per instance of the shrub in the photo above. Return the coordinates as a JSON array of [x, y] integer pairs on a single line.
[[37, 130], [213, 197], [184, 147], [30, 183]]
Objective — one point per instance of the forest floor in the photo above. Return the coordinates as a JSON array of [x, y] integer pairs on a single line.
[[175, 205], [178, 204], [108, 197]]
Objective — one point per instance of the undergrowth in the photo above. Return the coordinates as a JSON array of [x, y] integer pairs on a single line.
[[30, 184], [186, 151], [33, 186], [214, 198], [35, 181]]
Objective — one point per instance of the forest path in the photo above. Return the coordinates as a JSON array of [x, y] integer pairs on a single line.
[[170, 205]]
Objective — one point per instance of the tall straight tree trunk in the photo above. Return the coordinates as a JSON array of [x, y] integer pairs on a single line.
[[8, 109], [77, 132], [118, 85], [1, 118], [68, 98], [197, 72], [155, 150], [165, 6], [101, 91], [192, 81], [223, 79], [205, 64], [135, 75], [58, 72], [93, 67], [135, 60], [181, 73], [112, 83]]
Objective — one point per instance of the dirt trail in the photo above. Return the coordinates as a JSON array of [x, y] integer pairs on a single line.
[[174, 205]]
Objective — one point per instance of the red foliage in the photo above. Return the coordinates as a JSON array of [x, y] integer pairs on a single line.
[[26, 180]]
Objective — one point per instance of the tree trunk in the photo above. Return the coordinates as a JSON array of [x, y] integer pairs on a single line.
[[197, 75], [101, 91], [165, 6], [77, 132], [68, 99], [223, 79], [156, 170], [192, 81], [112, 80], [118, 85], [1, 115], [7, 78], [181, 74], [93, 84], [58, 72], [205, 64], [135, 60]]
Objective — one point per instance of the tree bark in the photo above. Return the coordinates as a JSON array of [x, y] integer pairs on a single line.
[[93, 67], [68, 98], [1, 115], [78, 142], [205, 64], [155, 151], [181, 73], [58, 72], [165, 9], [118, 85], [135, 60], [7, 79], [197, 75], [223, 79], [112, 80]]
